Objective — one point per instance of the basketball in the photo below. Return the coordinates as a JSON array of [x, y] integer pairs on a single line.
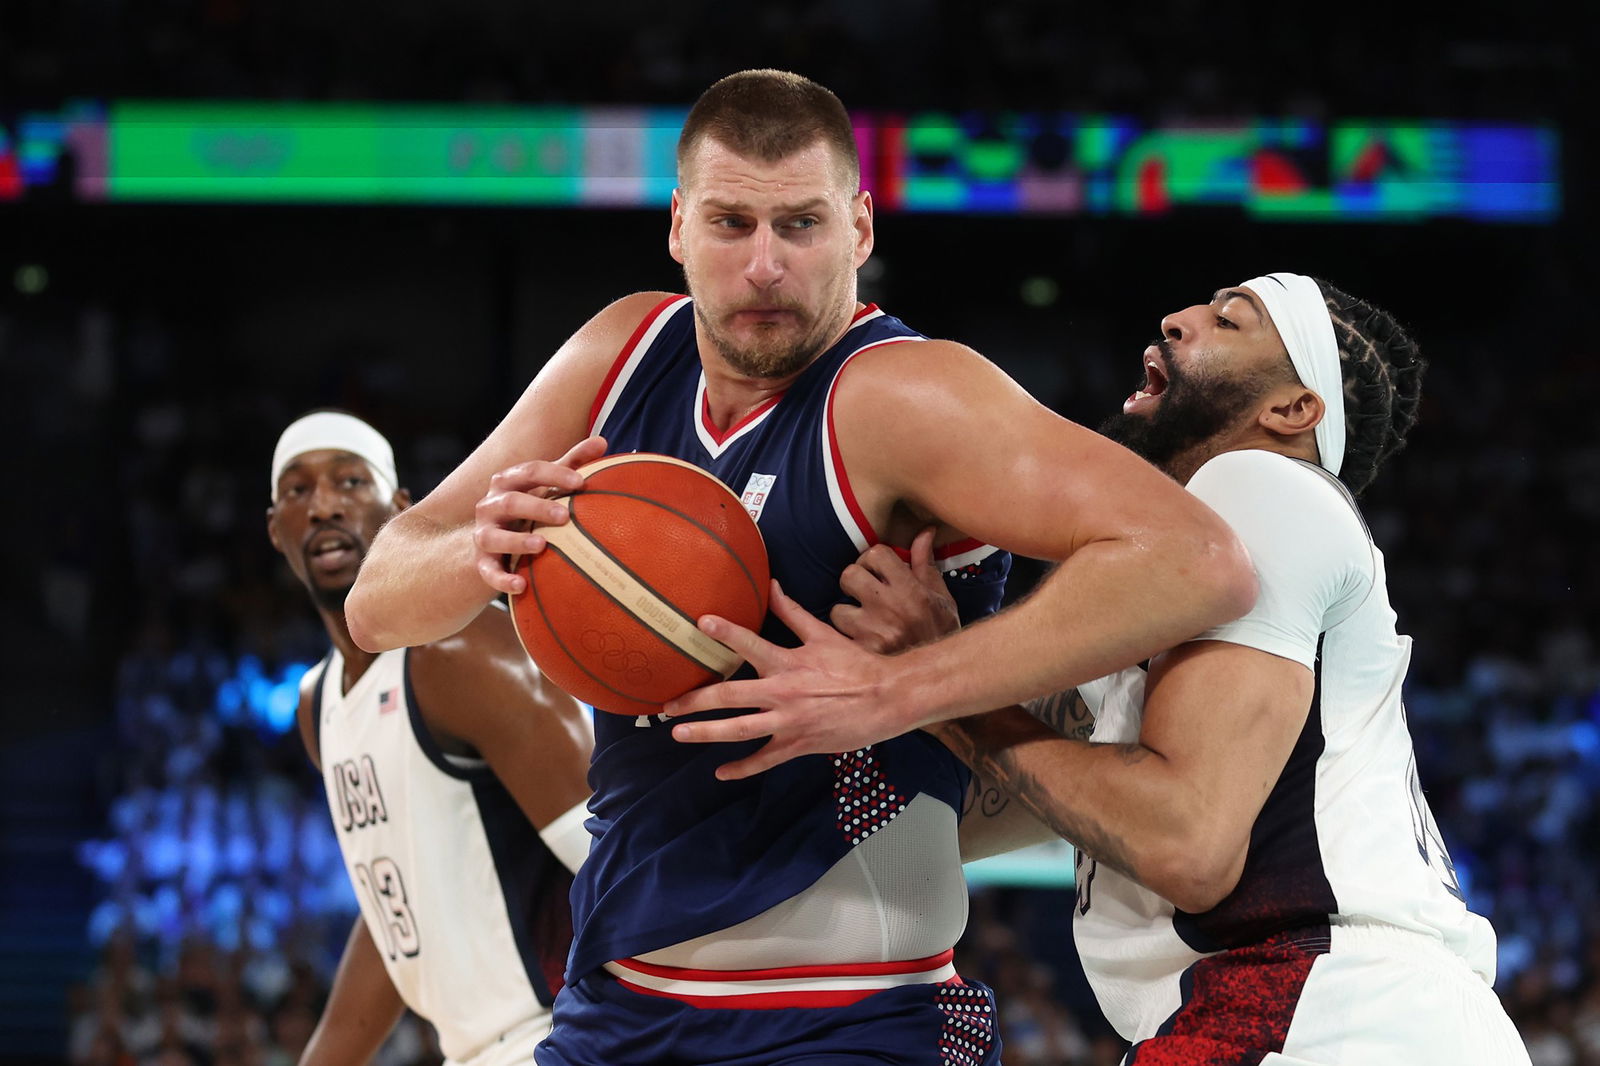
[[652, 544]]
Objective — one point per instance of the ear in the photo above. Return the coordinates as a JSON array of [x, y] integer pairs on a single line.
[[675, 233], [401, 499], [1291, 411], [862, 220], [272, 527]]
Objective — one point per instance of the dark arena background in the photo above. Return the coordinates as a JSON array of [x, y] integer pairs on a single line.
[[216, 215]]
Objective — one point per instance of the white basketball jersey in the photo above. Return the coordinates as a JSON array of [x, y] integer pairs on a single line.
[[464, 902], [1346, 835]]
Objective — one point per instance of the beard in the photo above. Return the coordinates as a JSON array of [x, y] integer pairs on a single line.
[[775, 352], [779, 351], [1194, 409]]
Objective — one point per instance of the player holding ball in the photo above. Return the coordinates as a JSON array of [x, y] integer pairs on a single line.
[[807, 913]]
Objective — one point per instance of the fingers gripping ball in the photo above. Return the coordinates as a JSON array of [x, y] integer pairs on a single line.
[[652, 544]]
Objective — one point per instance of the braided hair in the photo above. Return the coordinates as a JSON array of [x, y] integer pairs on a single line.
[[1382, 370]]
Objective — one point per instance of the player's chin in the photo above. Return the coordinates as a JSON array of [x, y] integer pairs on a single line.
[[330, 592]]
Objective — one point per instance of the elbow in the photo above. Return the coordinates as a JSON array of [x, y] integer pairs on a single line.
[[359, 618], [1194, 879], [1195, 894], [1230, 574]]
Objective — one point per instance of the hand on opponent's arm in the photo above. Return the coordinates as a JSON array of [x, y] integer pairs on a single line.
[[901, 605], [827, 666]]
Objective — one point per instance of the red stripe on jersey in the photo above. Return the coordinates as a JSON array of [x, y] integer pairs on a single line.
[[863, 313], [762, 1000], [622, 359], [833, 443], [720, 436], [794, 973], [955, 547]]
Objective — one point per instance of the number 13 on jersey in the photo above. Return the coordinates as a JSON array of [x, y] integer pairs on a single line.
[[386, 890]]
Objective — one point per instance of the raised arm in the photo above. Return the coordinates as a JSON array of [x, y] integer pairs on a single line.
[[427, 575], [1143, 564]]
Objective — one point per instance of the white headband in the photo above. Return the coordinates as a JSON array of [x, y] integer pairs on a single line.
[[1296, 305], [336, 432]]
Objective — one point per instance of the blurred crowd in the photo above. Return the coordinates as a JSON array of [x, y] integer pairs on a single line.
[[207, 1007]]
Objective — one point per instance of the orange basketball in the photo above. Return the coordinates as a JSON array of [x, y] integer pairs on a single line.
[[653, 543]]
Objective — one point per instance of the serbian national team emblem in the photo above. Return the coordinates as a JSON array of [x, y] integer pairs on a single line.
[[756, 492], [388, 700]]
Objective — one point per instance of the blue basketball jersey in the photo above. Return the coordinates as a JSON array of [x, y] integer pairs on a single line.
[[678, 854]]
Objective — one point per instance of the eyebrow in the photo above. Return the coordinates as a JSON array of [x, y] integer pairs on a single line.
[[1229, 294], [736, 208]]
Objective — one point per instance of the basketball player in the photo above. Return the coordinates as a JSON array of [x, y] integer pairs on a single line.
[[808, 914], [1260, 879], [456, 780]]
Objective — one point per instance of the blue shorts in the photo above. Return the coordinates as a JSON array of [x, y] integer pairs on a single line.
[[600, 1023]]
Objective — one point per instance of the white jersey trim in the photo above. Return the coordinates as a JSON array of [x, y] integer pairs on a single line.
[[695, 985], [714, 447], [634, 358], [845, 508]]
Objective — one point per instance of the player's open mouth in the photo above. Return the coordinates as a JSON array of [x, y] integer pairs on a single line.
[[331, 550], [1155, 381]]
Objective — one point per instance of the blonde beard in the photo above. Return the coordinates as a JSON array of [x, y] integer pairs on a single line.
[[776, 359]]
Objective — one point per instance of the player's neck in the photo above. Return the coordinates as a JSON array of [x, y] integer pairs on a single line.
[[1183, 466], [731, 397]]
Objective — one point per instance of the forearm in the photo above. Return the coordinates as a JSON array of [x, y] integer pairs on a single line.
[[362, 1007], [1123, 804], [1111, 604], [418, 584]]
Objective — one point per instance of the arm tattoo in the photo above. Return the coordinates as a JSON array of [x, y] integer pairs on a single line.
[[1065, 712], [1000, 771], [984, 799]]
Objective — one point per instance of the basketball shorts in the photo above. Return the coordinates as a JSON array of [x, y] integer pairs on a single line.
[[1366, 995], [599, 1022]]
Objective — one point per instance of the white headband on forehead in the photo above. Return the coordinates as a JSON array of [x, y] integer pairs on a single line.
[[333, 431], [1297, 308]]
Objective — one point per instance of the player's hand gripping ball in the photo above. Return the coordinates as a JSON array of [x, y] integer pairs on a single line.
[[652, 544]]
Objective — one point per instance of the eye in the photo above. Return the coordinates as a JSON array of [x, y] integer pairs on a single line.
[[354, 481], [804, 223], [294, 490], [1224, 323], [728, 222]]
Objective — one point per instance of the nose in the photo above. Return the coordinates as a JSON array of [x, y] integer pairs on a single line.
[[1180, 324], [765, 266], [328, 502]]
